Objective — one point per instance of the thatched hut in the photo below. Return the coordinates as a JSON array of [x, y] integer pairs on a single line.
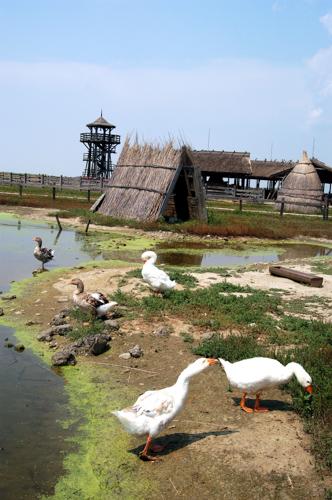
[[151, 181], [302, 189], [217, 165]]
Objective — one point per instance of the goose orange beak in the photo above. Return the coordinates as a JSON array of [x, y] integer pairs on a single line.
[[309, 389], [212, 361]]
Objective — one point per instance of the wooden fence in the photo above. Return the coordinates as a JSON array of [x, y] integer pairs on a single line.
[[52, 181], [217, 193]]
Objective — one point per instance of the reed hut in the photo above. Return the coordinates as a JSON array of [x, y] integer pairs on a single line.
[[151, 181], [218, 165], [302, 190]]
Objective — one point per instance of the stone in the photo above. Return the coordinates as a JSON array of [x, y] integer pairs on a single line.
[[207, 335], [93, 344], [125, 355], [61, 329], [19, 347], [31, 323], [162, 331], [62, 300], [8, 297], [8, 344], [59, 319], [111, 325], [136, 351], [42, 336], [1, 311], [63, 358], [53, 344]]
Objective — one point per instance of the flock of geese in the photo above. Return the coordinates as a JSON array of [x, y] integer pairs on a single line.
[[154, 410]]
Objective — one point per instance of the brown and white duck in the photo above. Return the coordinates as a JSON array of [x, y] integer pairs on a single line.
[[95, 302], [42, 254]]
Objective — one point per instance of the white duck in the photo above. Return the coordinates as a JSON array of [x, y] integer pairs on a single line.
[[42, 254], [153, 410], [95, 302], [157, 279], [257, 374]]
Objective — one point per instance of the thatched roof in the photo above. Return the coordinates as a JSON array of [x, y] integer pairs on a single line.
[[324, 171], [142, 181], [270, 169], [302, 189], [101, 123], [224, 162]]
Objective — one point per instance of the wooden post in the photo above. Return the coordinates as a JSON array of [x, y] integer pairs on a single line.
[[43, 179], [326, 208], [282, 207], [61, 182], [58, 221], [25, 178], [20, 187], [53, 192], [240, 207], [88, 194], [87, 226]]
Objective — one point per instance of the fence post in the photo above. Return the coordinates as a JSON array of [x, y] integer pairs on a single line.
[[53, 192], [25, 178], [43, 179], [88, 194], [282, 207], [58, 221], [20, 187], [326, 208], [87, 226], [240, 205], [61, 182], [11, 177]]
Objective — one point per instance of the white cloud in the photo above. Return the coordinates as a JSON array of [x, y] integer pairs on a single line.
[[245, 104], [327, 21]]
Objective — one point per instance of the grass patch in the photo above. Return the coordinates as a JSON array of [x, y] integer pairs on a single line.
[[85, 324], [232, 348]]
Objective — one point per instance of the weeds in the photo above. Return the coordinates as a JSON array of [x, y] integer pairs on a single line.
[[232, 348]]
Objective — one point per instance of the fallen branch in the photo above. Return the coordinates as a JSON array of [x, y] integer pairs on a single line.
[[129, 368]]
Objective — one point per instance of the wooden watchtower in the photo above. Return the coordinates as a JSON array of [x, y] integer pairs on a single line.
[[100, 143]]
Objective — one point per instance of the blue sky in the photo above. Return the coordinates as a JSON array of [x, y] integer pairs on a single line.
[[256, 73]]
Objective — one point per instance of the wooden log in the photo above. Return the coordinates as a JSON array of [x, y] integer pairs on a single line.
[[59, 223], [299, 276]]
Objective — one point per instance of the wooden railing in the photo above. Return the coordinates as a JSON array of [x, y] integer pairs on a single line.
[[216, 193], [52, 181]]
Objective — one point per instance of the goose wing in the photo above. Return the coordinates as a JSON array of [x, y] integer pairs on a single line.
[[154, 403]]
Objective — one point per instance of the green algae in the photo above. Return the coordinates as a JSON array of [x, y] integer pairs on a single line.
[[99, 467]]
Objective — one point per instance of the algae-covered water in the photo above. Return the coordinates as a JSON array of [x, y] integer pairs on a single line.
[[32, 396]]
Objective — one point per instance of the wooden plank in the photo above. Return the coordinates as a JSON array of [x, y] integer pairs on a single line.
[[299, 276]]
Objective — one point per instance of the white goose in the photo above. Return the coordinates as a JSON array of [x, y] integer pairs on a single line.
[[257, 374], [95, 302], [153, 410], [157, 279]]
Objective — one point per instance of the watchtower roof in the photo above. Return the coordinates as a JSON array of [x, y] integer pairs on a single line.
[[101, 122]]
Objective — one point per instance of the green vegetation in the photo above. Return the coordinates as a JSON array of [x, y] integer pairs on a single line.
[[232, 348]]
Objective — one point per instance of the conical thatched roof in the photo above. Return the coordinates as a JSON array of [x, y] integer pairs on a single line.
[[302, 189], [101, 123]]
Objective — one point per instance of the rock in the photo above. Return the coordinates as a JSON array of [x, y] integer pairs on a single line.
[[125, 355], [162, 331], [53, 344], [45, 335], [207, 335], [8, 344], [61, 329], [58, 319], [19, 347], [93, 344], [31, 323], [63, 299], [8, 297], [1, 311], [99, 346], [111, 325], [136, 351], [63, 358]]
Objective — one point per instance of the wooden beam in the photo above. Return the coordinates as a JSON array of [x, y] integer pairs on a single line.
[[305, 278]]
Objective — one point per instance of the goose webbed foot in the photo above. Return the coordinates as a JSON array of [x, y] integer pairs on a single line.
[[243, 405], [149, 458]]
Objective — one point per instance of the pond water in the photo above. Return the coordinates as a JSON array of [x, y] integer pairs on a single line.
[[227, 257], [32, 396]]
